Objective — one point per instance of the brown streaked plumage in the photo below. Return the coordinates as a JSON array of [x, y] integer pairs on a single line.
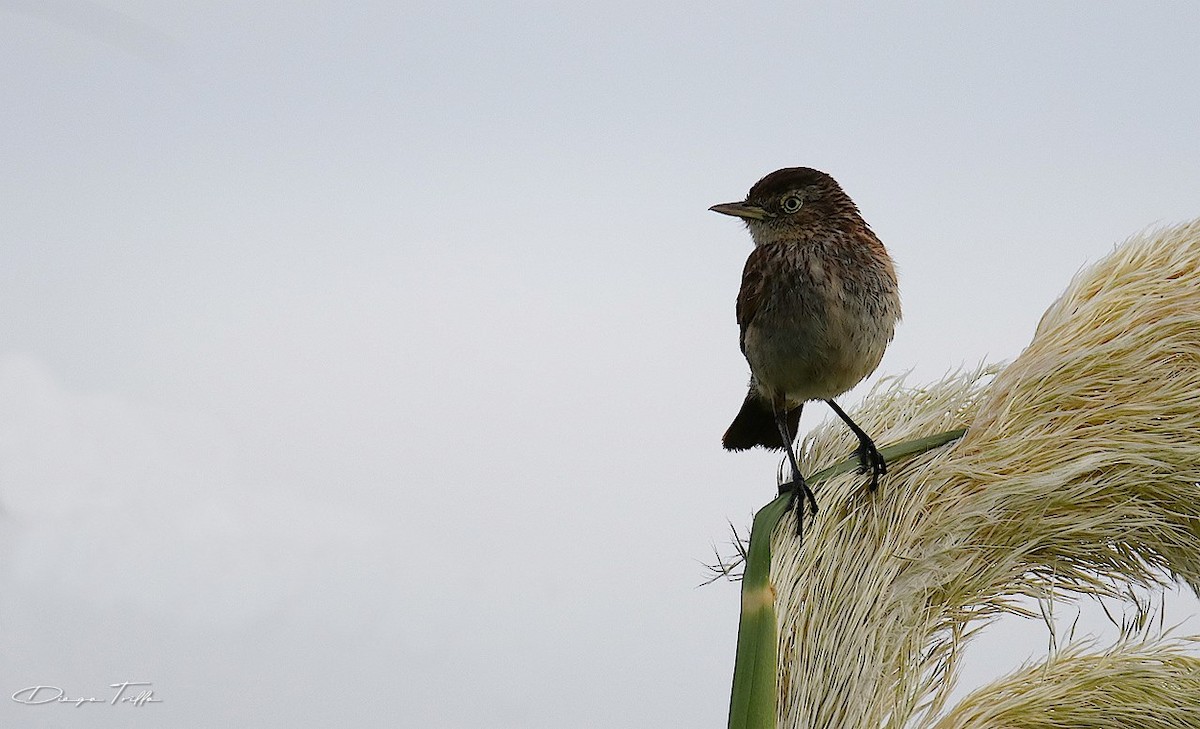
[[817, 307]]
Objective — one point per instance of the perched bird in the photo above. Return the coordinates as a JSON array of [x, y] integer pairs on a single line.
[[818, 305]]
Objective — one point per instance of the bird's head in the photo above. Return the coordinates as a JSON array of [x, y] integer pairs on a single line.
[[793, 203]]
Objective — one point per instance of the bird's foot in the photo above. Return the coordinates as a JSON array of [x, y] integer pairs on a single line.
[[801, 497], [870, 460]]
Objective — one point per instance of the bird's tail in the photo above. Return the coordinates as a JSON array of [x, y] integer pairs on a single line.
[[755, 426]]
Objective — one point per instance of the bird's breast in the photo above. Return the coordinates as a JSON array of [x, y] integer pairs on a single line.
[[824, 324]]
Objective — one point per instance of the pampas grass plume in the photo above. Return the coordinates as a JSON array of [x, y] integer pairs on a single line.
[[1078, 477]]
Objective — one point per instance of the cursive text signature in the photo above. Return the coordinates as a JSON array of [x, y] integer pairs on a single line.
[[124, 694]]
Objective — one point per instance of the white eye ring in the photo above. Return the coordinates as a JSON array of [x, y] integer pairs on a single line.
[[791, 203]]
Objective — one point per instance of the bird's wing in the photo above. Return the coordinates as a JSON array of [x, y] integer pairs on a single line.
[[754, 290]]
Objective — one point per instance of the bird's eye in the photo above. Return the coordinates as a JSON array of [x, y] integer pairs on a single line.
[[791, 203]]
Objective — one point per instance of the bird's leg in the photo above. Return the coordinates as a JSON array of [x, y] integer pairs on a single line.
[[798, 486], [869, 457]]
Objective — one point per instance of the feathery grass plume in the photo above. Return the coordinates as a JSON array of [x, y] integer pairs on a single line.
[[1079, 476], [1149, 685]]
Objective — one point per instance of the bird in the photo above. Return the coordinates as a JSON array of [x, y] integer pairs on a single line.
[[818, 306]]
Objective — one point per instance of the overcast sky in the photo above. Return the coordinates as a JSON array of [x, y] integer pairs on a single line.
[[365, 364]]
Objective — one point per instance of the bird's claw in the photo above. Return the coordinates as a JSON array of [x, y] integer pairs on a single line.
[[801, 496], [870, 459]]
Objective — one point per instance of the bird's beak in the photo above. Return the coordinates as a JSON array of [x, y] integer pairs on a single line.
[[741, 210]]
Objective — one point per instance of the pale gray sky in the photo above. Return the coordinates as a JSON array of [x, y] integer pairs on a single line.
[[365, 364]]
